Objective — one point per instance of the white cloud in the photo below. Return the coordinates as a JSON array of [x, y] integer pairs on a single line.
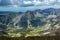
[[27, 2], [37, 2], [46, 2], [49, 1], [58, 0], [52, 1]]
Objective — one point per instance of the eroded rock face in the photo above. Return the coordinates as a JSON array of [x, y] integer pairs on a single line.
[[3, 27]]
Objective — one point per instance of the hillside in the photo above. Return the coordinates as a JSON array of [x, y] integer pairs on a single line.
[[30, 23]]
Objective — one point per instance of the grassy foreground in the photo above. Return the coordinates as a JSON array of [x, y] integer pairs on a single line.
[[32, 38]]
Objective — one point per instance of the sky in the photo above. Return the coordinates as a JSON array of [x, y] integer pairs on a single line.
[[16, 5]]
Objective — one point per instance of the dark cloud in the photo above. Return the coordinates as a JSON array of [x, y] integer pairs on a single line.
[[5, 2]]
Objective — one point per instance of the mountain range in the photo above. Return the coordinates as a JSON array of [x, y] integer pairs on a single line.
[[35, 18]]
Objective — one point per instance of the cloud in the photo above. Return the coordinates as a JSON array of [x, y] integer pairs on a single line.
[[5, 2], [37, 2], [48, 2], [15, 6], [27, 2], [30, 2], [58, 0], [40, 2]]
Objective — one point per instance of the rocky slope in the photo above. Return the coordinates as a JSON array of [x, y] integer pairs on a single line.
[[36, 18]]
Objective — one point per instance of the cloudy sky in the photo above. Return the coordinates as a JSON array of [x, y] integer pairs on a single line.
[[29, 3]]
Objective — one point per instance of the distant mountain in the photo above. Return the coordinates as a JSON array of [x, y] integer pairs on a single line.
[[35, 18], [31, 15], [23, 19]]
